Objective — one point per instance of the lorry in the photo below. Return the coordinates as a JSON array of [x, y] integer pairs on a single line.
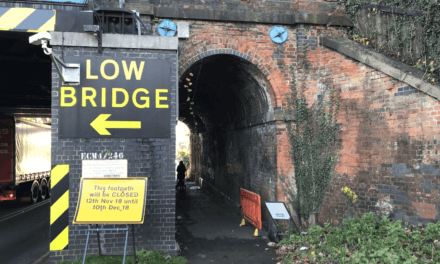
[[25, 160]]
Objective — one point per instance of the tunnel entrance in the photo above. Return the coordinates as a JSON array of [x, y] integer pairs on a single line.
[[233, 132], [26, 77], [182, 147]]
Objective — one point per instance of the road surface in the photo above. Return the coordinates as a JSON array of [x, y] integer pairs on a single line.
[[24, 233]]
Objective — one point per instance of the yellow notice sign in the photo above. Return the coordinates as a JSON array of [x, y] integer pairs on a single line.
[[111, 201]]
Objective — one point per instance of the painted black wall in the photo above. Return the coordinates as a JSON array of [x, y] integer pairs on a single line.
[[147, 157]]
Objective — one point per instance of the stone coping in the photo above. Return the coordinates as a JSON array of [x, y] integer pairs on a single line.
[[115, 41], [390, 66]]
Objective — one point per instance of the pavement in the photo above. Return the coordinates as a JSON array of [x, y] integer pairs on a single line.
[[209, 232]]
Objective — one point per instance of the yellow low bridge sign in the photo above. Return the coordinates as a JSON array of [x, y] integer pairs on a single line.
[[111, 201]]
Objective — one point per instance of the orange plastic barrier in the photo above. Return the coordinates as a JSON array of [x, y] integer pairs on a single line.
[[251, 206]]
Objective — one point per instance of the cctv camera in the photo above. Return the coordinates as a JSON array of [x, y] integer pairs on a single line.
[[39, 38]]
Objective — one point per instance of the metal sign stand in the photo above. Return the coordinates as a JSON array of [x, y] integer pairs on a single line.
[[99, 243], [281, 218]]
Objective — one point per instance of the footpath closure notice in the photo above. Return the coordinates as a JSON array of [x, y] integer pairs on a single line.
[[111, 201], [104, 168]]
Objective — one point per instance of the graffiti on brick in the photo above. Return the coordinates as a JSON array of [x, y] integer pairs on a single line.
[[385, 206]]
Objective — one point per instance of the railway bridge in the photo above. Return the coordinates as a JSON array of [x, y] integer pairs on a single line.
[[228, 79]]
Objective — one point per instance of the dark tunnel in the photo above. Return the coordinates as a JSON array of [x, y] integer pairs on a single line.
[[233, 144], [26, 72]]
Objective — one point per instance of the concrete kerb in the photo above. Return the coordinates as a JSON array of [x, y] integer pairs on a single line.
[[389, 66]]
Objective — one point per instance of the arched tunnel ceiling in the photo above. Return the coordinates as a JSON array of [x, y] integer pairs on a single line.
[[225, 89]]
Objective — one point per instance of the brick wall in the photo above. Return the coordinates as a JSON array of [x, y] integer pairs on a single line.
[[272, 7], [147, 157], [388, 143], [238, 145], [243, 158], [244, 152], [251, 11], [245, 40], [252, 145], [387, 147]]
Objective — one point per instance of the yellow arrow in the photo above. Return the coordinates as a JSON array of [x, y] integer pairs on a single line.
[[100, 124]]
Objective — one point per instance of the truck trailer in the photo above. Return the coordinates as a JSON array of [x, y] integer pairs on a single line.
[[25, 160]]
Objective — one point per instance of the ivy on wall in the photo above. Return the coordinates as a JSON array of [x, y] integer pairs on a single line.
[[312, 136], [421, 19]]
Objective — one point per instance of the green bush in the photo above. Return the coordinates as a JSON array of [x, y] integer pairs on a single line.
[[184, 156], [143, 257], [367, 240], [404, 28]]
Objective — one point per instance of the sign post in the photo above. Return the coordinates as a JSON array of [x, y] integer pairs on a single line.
[[278, 211], [111, 201]]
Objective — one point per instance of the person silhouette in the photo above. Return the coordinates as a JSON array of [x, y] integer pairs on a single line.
[[181, 169]]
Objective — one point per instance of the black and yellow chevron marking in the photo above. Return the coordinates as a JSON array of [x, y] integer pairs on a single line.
[[27, 19], [59, 207]]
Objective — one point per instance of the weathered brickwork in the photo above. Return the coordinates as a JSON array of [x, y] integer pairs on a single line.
[[244, 154], [243, 158], [147, 157], [387, 147], [250, 40], [229, 159], [255, 11], [388, 144], [272, 6]]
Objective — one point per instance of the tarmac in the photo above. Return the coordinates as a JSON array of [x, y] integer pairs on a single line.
[[209, 232]]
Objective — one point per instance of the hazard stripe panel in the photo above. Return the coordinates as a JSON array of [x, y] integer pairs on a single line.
[[61, 239], [27, 19], [59, 207], [58, 170]]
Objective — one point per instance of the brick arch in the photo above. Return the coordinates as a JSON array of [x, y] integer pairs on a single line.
[[275, 81]]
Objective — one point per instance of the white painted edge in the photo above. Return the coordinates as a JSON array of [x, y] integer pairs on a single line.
[[41, 258]]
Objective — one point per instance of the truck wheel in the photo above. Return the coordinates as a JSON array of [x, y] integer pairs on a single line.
[[43, 190], [48, 188], [34, 192]]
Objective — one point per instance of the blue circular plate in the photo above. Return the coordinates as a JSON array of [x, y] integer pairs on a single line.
[[278, 34], [167, 28]]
